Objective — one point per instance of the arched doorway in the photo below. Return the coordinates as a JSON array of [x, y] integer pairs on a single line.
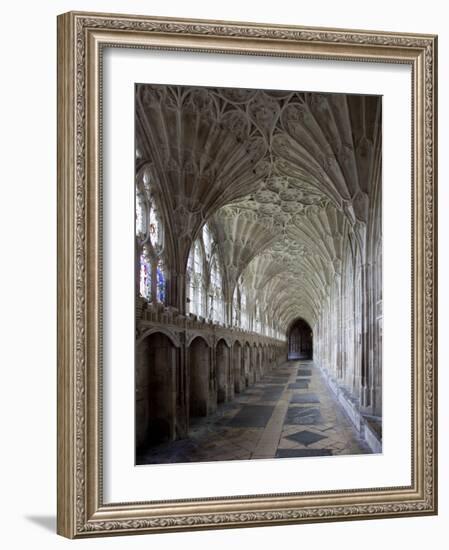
[[157, 361], [246, 364], [260, 363], [222, 356], [300, 340], [253, 364], [199, 374], [237, 366]]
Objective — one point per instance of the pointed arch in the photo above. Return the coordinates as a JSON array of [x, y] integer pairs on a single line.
[[300, 340]]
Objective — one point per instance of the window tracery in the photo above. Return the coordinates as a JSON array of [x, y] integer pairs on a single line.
[[195, 275], [149, 237], [244, 318], [216, 292], [204, 279], [236, 307], [145, 277]]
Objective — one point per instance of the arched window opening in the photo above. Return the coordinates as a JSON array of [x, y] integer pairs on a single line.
[[149, 235], [161, 282], [140, 214], [145, 277], [236, 307], [195, 281], [257, 320], [207, 241], [204, 279], [244, 318], [155, 229], [266, 326], [216, 312]]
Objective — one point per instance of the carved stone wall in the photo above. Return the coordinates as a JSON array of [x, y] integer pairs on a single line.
[[185, 367]]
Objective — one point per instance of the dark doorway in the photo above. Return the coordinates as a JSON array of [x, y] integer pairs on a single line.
[[222, 358], [160, 389], [199, 374], [237, 365], [300, 340]]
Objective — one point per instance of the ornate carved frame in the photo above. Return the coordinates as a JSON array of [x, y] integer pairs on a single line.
[[81, 511]]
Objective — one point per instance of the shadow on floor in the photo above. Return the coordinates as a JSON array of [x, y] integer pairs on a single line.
[[46, 522]]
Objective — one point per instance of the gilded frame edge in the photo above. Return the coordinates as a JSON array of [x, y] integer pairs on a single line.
[[81, 512]]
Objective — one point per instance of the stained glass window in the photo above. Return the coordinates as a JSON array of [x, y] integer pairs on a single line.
[[140, 214], [149, 233], [145, 277], [195, 280], [160, 282]]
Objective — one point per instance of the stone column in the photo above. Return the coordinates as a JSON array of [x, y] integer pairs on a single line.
[[365, 332]]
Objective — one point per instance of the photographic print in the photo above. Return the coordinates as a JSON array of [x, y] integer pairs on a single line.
[[258, 274]]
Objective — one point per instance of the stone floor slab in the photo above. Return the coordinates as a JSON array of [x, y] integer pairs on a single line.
[[306, 438], [299, 385], [272, 393], [303, 416], [304, 372], [299, 398], [252, 416]]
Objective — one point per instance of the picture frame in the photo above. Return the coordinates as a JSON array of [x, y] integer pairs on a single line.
[[82, 510]]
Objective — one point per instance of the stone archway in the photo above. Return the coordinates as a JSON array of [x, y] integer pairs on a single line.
[[300, 340], [237, 367], [246, 364], [222, 361], [199, 376], [157, 364], [260, 362]]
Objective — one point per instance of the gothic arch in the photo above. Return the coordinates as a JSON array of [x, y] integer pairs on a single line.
[[172, 335], [157, 383], [223, 371], [199, 377], [300, 340], [198, 334], [225, 339]]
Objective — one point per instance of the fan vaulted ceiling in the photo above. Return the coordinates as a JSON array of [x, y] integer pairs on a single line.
[[283, 178]]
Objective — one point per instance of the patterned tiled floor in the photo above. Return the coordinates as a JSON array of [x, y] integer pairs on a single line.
[[289, 413]]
